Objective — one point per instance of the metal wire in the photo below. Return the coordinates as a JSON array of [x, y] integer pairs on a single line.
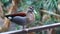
[[33, 29]]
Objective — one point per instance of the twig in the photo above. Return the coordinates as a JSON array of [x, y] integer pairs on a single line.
[[50, 13]]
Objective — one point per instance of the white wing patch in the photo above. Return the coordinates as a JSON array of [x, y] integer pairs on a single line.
[[10, 17]]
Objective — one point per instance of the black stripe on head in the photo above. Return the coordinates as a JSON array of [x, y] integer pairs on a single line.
[[31, 9]]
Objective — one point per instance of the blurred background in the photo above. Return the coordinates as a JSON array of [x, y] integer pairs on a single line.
[[45, 11]]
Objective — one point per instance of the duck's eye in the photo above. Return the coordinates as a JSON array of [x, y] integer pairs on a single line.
[[9, 17]]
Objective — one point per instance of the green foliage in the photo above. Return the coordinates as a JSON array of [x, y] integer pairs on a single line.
[[4, 1], [49, 5]]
